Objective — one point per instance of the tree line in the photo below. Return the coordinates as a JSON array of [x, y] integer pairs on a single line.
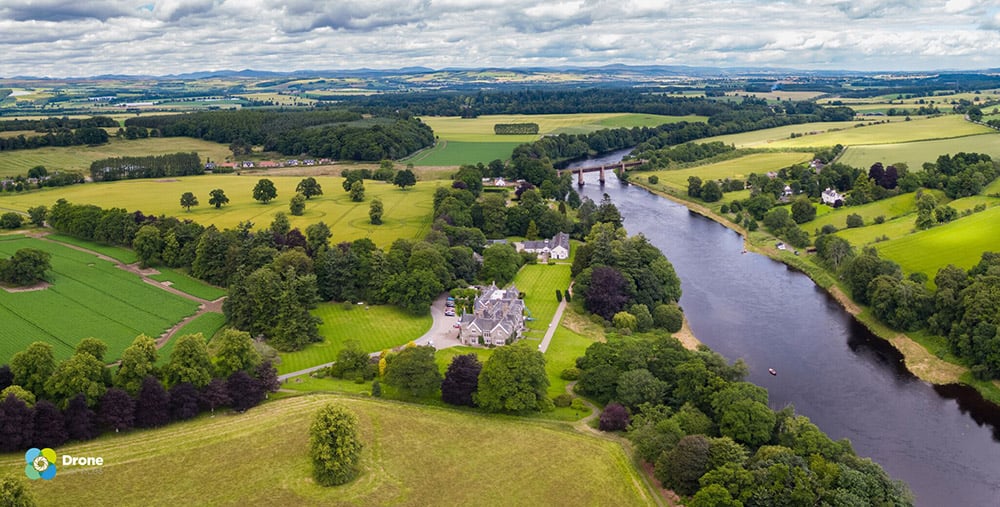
[[515, 128], [45, 403], [60, 137], [52, 124], [712, 438], [151, 166], [251, 126]]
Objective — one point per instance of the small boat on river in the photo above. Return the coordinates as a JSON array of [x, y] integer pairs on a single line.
[[771, 371]]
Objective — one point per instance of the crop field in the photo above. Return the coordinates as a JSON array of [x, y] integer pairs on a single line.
[[777, 95], [452, 153], [121, 254], [88, 298], [374, 328], [764, 138], [471, 140], [961, 243], [737, 168], [413, 455], [539, 282], [78, 158], [207, 324], [916, 153], [920, 129], [407, 212]]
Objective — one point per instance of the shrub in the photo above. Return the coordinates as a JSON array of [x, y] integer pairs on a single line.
[[614, 418], [563, 400], [570, 374], [654, 179], [11, 220], [669, 317], [577, 404], [855, 220], [880, 219]]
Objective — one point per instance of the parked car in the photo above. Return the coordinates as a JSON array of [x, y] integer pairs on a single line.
[[449, 304]]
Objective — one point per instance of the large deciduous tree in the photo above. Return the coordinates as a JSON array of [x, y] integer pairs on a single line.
[[404, 178], [32, 367], [82, 373], [81, 421], [681, 468], [244, 391], [189, 362], [264, 191], [235, 352], [49, 425], [334, 446], [188, 199], [414, 370], [138, 361], [308, 187], [513, 380], [16, 430], [375, 211], [14, 492], [607, 293], [117, 410], [217, 197], [148, 245], [461, 380], [25, 267], [152, 406]]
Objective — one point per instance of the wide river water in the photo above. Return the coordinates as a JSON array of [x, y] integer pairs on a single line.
[[943, 441]]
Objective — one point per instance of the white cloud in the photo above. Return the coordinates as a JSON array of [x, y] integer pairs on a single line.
[[64, 37]]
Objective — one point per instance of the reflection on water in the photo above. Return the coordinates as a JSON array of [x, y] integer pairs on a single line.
[[941, 440]]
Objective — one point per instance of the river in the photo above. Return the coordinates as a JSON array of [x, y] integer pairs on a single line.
[[944, 442]]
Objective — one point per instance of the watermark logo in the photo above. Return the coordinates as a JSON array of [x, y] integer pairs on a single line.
[[41, 464]]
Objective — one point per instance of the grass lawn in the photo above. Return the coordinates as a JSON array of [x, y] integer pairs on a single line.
[[539, 283], [374, 327], [407, 212], [764, 138], [449, 153], [207, 324], [737, 168], [412, 455], [78, 158], [942, 127], [565, 347], [916, 153], [88, 297], [121, 254], [186, 283], [961, 243]]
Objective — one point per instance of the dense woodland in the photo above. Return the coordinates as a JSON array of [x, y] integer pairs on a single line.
[[53, 124], [153, 166], [58, 137], [335, 133]]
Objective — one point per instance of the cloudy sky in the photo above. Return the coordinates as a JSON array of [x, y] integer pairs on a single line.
[[61, 38]]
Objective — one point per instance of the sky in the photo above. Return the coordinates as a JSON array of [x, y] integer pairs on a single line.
[[62, 38]]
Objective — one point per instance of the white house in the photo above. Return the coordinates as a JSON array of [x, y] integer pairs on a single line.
[[555, 248], [497, 318], [830, 197]]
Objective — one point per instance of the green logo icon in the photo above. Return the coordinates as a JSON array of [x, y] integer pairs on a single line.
[[41, 463]]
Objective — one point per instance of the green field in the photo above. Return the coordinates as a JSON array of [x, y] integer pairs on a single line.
[[121, 254], [78, 158], [407, 212], [764, 138], [412, 455], [737, 168], [207, 324], [890, 208], [539, 282], [188, 284], [449, 153], [920, 129], [88, 297], [471, 140], [916, 153], [374, 327], [961, 243]]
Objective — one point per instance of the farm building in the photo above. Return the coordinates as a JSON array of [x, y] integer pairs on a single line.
[[497, 318]]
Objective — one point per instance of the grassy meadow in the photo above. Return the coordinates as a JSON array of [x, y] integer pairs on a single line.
[[893, 207], [407, 212], [79, 158], [88, 297], [961, 243], [186, 283], [916, 153], [451, 153], [737, 168], [412, 455], [373, 327]]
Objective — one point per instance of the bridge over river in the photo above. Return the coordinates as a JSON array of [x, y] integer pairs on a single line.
[[619, 168]]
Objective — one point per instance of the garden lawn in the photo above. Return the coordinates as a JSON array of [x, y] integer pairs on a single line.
[[539, 282], [375, 328], [916, 153], [921, 129], [207, 324], [961, 243], [737, 168], [565, 348], [88, 297], [412, 455], [79, 158], [407, 212]]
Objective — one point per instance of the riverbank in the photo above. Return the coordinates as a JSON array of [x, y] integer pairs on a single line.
[[918, 359]]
